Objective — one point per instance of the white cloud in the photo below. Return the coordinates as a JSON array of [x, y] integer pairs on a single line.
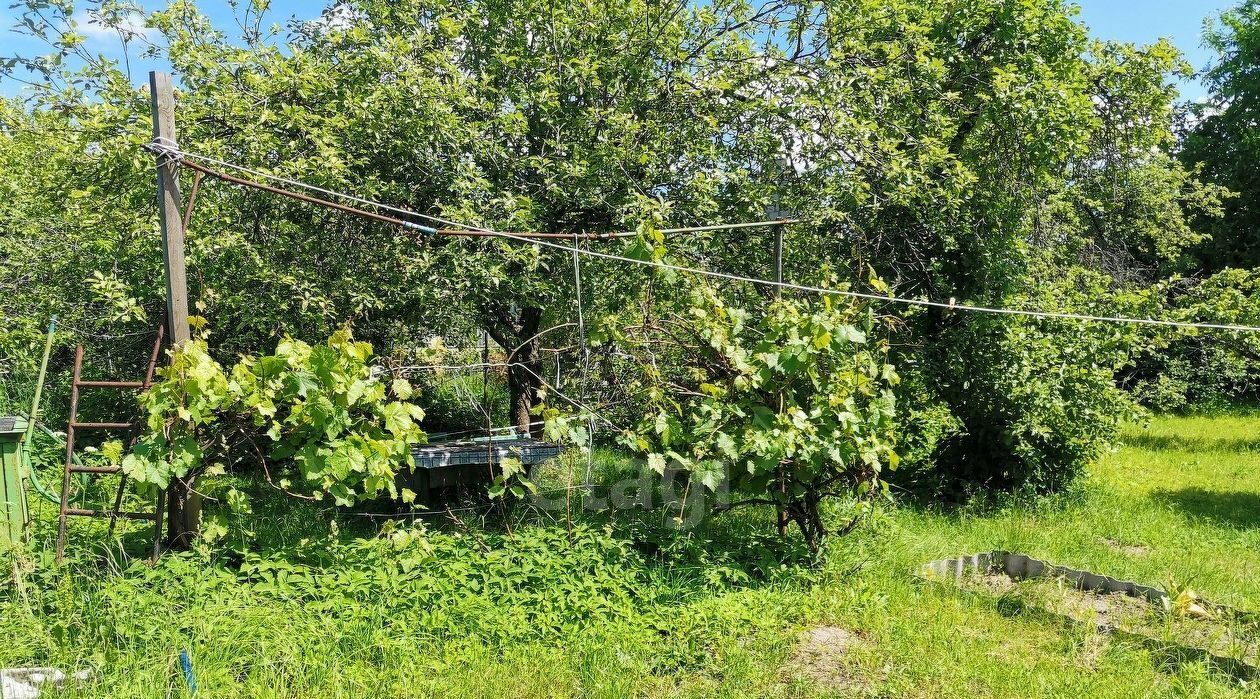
[[334, 19], [96, 27]]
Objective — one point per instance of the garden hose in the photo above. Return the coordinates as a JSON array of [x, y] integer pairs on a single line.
[[26, 464], [40, 488]]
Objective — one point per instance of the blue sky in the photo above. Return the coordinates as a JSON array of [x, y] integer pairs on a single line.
[[1144, 21], [1141, 21]]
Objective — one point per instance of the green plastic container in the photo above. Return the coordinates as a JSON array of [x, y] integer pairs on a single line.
[[12, 495]]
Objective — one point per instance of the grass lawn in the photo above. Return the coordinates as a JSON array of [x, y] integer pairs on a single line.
[[551, 611]]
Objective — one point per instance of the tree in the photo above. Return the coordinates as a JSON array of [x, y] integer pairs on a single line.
[[1222, 138], [934, 137], [959, 149], [1129, 207], [517, 116]]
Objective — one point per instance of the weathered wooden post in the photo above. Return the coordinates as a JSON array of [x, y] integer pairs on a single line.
[[183, 503]]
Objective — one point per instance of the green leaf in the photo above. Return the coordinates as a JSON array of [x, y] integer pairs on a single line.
[[402, 389], [397, 419], [657, 463], [112, 451], [303, 382]]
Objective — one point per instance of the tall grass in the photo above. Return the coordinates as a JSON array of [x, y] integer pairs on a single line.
[[325, 604]]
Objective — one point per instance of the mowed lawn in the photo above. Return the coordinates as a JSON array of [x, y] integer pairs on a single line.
[[1179, 501]]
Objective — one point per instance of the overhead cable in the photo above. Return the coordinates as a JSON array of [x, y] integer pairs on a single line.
[[924, 303], [455, 229], [533, 239], [310, 200]]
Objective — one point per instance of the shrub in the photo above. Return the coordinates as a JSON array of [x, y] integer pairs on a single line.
[[319, 414], [1203, 369], [794, 408], [1035, 401], [1021, 403]]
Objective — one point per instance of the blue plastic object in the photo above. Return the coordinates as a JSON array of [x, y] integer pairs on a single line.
[[185, 664]]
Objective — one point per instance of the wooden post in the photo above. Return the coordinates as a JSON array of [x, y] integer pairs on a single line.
[[184, 504], [170, 206]]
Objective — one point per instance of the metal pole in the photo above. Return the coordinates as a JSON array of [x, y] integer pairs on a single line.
[[778, 248], [773, 214]]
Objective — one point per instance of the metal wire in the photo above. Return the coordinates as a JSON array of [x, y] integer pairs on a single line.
[[923, 303], [172, 152]]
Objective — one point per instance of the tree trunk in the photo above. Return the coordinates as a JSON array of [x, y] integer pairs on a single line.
[[517, 332], [183, 515], [523, 392]]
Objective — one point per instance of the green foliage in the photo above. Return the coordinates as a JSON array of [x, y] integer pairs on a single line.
[[453, 400], [1036, 405], [1128, 206], [1203, 369], [968, 149], [579, 122], [76, 243], [466, 612], [981, 155], [1221, 137], [545, 581], [1027, 403], [320, 412], [794, 407]]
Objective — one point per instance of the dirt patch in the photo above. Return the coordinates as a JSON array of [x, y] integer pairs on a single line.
[[993, 583], [1213, 631], [822, 655], [1106, 612]]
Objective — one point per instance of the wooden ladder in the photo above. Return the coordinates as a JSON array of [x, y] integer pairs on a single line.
[[133, 429]]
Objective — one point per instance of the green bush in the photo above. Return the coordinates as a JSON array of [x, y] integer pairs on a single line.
[[317, 418], [1035, 401], [792, 406], [1015, 402], [1203, 369]]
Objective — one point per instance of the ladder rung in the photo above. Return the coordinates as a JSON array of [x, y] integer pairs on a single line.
[[106, 513], [69, 466], [105, 470], [111, 384]]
